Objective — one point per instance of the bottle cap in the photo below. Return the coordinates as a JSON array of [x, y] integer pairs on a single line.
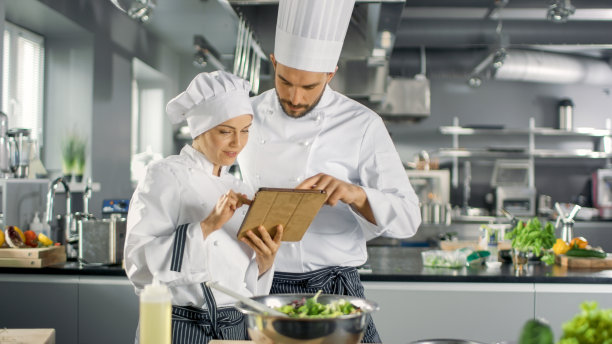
[[155, 292]]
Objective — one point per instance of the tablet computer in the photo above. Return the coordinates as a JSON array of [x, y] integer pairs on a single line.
[[293, 208]]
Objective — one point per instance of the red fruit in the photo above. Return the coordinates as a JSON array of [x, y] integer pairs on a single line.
[[31, 238]]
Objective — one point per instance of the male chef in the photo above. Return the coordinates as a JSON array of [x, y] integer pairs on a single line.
[[307, 135]]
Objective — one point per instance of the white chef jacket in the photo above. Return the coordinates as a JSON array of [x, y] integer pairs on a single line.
[[346, 140], [181, 189]]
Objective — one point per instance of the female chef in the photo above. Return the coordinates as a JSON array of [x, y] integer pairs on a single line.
[[181, 227]]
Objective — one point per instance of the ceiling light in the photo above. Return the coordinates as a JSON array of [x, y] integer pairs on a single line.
[[140, 10], [560, 10]]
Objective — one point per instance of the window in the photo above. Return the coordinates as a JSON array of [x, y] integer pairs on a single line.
[[22, 80]]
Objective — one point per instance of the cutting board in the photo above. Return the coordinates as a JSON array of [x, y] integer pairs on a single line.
[[584, 263], [28, 336], [447, 245], [32, 257]]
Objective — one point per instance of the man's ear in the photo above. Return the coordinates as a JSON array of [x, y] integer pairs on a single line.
[[274, 61], [331, 75]]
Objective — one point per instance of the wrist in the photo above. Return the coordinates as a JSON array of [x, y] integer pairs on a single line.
[[206, 228]]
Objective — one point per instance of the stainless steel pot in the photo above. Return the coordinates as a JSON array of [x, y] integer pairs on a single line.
[[348, 329], [101, 240]]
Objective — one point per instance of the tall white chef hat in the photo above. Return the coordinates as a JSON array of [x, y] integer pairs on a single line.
[[310, 33], [209, 100]]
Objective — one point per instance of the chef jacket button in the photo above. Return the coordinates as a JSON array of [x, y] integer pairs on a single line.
[[257, 176], [262, 141], [215, 243], [305, 143], [269, 112]]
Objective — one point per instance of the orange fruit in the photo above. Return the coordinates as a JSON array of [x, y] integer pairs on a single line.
[[1, 239]]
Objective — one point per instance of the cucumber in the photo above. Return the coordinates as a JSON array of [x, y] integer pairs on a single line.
[[536, 331], [584, 253]]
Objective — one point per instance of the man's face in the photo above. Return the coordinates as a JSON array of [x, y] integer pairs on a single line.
[[298, 91]]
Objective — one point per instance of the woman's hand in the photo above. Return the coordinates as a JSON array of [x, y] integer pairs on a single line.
[[265, 247], [223, 211]]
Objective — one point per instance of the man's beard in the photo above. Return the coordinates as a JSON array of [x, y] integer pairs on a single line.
[[307, 110]]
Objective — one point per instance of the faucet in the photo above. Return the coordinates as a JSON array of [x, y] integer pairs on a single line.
[[86, 196], [68, 215]]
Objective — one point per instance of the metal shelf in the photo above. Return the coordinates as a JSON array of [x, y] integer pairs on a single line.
[[457, 130], [538, 153]]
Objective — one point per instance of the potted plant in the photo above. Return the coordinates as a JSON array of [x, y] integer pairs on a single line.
[[531, 239], [79, 159], [68, 156]]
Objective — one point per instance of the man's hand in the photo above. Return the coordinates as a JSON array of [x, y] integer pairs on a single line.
[[265, 247], [223, 211], [338, 190]]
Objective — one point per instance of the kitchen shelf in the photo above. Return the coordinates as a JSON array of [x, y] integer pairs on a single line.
[[603, 139], [457, 130]]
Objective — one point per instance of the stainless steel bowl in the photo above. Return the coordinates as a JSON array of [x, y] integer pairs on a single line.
[[347, 329]]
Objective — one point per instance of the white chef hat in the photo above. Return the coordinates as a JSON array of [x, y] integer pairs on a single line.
[[209, 100], [310, 33]]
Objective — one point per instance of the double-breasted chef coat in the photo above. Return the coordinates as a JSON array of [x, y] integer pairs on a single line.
[[178, 190], [348, 141]]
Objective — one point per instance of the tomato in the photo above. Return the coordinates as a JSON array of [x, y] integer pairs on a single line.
[[579, 242], [31, 239]]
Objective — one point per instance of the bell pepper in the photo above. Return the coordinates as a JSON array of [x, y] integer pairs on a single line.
[[579, 242], [560, 247]]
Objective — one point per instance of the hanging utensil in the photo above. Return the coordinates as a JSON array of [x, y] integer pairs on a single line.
[[247, 301], [238, 51]]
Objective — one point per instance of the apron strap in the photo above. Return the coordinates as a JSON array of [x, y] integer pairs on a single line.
[[212, 310], [335, 279], [179, 247]]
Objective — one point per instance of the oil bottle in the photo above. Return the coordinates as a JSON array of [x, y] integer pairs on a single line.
[[155, 314]]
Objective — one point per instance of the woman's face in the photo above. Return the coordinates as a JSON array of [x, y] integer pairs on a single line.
[[222, 143]]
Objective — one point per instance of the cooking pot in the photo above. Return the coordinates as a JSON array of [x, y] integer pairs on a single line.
[[346, 329], [101, 240]]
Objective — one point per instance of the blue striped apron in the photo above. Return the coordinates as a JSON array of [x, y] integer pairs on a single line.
[[191, 325], [339, 280]]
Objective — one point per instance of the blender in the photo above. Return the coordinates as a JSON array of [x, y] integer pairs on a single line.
[[19, 143]]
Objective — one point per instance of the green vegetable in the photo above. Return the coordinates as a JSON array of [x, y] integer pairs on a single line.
[[310, 308], [583, 252], [532, 237], [590, 326], [536, 331]]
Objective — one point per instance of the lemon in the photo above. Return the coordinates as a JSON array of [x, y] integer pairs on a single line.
[[43, 239], [1, 238], [23, 238]]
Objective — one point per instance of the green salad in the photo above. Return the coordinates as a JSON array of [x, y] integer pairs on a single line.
[[310, 308], [592, 325]]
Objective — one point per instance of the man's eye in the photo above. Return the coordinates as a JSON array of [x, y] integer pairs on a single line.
[[245, 130], [225, 132]]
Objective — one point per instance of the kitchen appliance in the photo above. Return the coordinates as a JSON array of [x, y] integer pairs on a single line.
[[266, 328], [19, 143], [514, 190], [602, 192], [433, 190], [101, 240]]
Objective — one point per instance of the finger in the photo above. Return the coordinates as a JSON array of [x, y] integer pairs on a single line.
[[244, 199], [257, 241], [245, 239], [264, 235], [279, 234], [308, 183]]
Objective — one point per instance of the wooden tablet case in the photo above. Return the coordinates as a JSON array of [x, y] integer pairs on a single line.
[[293, 208]]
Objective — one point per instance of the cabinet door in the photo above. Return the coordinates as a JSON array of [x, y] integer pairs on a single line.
[[108, 310], [559, 303], [40, 301], [486, 312]]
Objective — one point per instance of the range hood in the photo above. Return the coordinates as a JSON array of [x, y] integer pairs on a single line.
[[363, 68]]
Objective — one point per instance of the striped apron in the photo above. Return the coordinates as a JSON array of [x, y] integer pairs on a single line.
[[191, 325], [339, 280]]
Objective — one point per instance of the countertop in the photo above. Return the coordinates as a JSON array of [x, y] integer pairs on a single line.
[[395, 264]]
